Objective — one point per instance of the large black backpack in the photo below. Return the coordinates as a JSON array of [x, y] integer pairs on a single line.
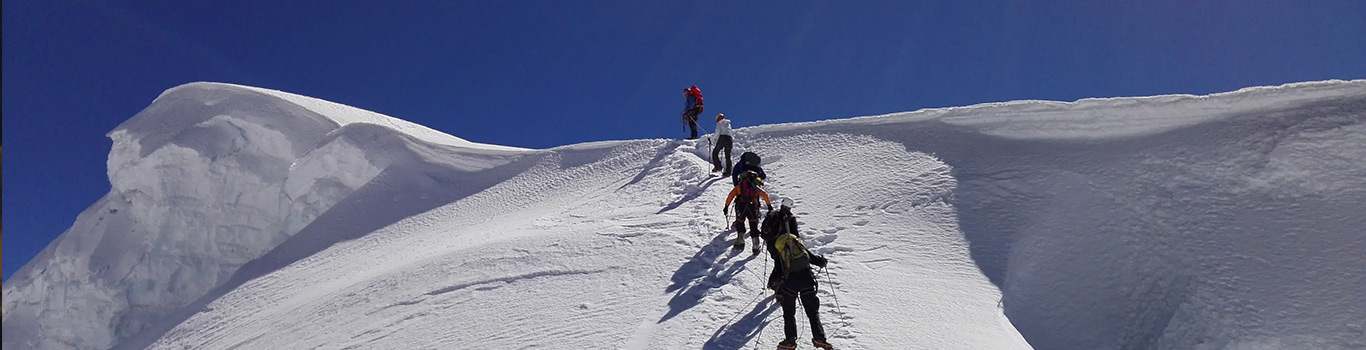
[[748, 162], [750, 158], [775, 223]]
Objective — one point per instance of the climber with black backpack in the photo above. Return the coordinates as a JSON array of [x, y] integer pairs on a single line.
[[792, 278], [746, 194], [748, 162]]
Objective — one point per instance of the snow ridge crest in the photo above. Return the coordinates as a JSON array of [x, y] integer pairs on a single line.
[[204, 180]]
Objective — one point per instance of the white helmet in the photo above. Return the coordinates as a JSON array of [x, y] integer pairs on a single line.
[[786, 202]]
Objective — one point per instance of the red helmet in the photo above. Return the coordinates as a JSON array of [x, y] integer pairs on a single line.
[[720, 116]]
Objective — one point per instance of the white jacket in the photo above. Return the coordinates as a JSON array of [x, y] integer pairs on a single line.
[[723, 127]]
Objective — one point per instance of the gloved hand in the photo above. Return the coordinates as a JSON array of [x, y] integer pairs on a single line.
[[819, 261], [726, 210], [770, 206]]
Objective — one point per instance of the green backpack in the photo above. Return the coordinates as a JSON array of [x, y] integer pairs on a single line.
[[792, 254], [749, 187]]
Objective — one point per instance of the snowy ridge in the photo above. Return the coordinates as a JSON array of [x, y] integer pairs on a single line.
[[206, 179], [1111, 118], [1228, 221], [341, 115]]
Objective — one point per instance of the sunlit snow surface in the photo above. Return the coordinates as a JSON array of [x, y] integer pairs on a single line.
[[245, 218]]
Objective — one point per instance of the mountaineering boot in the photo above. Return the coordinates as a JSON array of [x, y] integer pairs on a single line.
[[755, 241], [739, 244], [787, 344], [820, 343]]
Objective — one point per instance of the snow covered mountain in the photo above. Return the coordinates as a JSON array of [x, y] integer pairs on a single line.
[[255, 219]]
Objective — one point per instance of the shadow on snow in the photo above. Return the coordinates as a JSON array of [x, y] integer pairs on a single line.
[[693, 280], [690, 196], [734, 335], [664, 152]]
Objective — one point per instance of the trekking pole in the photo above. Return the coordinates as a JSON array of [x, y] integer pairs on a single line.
[[763, 281], [709, 144], [684, 118], [831, 282], [709, 152], [727, 223]]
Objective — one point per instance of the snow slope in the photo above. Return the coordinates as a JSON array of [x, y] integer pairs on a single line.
[[1229, 221], [206, 179]]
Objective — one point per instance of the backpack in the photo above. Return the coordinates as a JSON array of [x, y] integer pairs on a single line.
[[748, 162], [750, 158], [696, 93], [749, 187], [775, 223], [792, 254]]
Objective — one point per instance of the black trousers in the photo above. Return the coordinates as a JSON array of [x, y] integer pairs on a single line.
[[812, 304], [745, 210], [723, 142], [690, 116]]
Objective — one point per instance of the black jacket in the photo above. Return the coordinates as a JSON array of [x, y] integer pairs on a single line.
[[779, 222]]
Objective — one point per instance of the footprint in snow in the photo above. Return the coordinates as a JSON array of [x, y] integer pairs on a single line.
[[875, 264]]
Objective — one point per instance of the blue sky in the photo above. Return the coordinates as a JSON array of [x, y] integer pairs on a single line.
[[611, 70]]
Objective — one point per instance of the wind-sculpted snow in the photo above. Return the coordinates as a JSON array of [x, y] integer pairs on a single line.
[[206, 179], [1228, 221]]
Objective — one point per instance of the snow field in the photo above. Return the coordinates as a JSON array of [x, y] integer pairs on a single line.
[[585, 262], [250, 218]]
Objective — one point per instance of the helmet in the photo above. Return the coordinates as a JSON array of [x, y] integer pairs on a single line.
[[720, 116], [786, 202], [751, 177]]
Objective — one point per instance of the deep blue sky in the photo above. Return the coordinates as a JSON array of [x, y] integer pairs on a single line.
[[607, 70]]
